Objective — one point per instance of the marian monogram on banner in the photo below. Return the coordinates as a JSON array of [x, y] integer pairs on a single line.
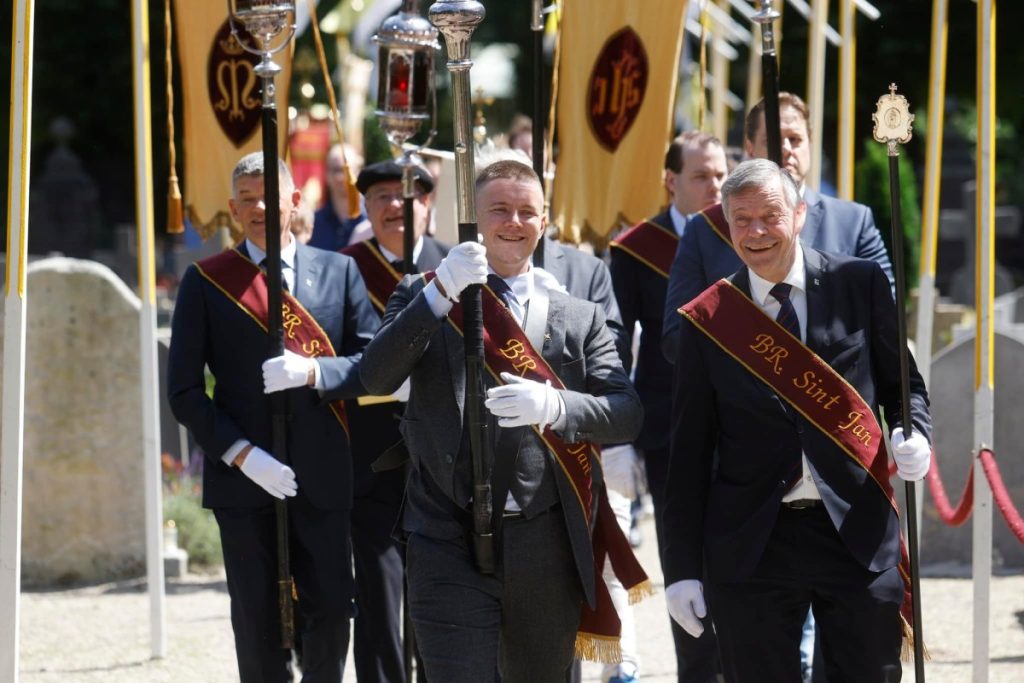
[[618, 83], [234, 89]]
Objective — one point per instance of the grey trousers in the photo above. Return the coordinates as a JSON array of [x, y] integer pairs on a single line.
[[518, 626]]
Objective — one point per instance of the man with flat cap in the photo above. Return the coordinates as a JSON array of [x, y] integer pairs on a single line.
[[379, 566]]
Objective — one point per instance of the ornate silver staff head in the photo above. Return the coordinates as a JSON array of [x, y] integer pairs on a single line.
[[766, 16], [405, 93], [893, 121], [271, 25]]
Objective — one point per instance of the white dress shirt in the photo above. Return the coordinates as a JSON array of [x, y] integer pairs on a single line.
[[416, 250], [760, 291]]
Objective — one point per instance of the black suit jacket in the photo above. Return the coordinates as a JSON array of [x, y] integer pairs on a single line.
[[641, 295], [374, 428], [210, 330], [720, 407]]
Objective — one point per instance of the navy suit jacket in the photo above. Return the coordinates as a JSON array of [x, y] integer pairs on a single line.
[[721, 411], [586, 277], [210, 330], [703, 258], [641, 295]]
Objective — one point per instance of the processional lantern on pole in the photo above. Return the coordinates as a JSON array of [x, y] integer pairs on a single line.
[[893, 121], [270, 25], [406, 97]]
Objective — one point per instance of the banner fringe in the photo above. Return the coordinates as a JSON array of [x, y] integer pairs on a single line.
[[907, 647], [595, 648], [644, 589]]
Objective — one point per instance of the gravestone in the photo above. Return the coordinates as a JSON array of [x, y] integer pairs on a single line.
[[83, 467], [952, 406]]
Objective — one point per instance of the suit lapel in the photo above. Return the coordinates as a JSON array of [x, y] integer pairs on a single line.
[[554, 259], [455, 350], [307, 276], [816, 271], [554, 333], [812, 222]]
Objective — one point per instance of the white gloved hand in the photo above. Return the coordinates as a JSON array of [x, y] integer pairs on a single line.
[[686, 605], [271, 474], [523, 402], [402, 393], [620, 464], [465, 264], [913, 456], [286, 372]]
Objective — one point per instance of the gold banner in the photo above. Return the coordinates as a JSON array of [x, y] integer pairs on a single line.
[[617, 89], [222, 107]]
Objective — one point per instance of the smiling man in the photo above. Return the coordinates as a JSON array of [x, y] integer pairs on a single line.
[[777, 499], [554, 371]]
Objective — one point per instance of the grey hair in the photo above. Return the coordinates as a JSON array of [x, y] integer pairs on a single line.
[[251, 165], [758, 173]]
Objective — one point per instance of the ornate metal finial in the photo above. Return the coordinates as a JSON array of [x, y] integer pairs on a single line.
[[893, 120]]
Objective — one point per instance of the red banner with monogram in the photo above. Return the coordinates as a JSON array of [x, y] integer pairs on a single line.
[[244, 283]]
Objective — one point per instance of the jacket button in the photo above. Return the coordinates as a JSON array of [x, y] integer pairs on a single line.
[[448, 458]]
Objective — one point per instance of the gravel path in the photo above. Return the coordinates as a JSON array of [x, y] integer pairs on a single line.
[[101, 633]]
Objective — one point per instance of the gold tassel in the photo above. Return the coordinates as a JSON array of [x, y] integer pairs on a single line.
[[594, 648], [644, 589], [907, 647], [175, 213]]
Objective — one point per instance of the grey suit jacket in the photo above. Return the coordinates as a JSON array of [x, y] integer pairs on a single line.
[[601, 405]]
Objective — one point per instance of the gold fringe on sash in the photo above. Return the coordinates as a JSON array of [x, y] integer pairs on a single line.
[[907, 647], [644, 589], [595, 648]]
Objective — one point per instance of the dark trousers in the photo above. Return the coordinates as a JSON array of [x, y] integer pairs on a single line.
[[522, 620], [380, 578], [697, 659], [322, 568], [806, 563]]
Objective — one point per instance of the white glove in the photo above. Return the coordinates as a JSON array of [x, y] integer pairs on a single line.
[[620, 469], [402, 393], [271, 474], [686, 605], [523, 402], [913, 456], [286, 372], [465, 265]]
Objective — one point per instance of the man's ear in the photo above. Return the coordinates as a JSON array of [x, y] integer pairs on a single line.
[[233, 208], [296, 197], [670, 182]]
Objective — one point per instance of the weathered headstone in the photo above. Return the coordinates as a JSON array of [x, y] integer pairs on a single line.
[[83, 464], [952, 405]]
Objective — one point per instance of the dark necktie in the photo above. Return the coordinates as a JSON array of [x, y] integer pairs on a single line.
[[501, 288], [284, 280], [787, 314]]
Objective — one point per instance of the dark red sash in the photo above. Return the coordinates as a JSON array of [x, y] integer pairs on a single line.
[[507, 349], [804, 380], [243, 282], [650, 244], [715, 217], [378, 274]]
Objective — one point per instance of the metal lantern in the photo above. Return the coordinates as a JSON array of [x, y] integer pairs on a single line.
[[405, 92]]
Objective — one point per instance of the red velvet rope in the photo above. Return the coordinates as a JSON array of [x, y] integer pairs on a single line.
[[947, 514], [1000, 495]]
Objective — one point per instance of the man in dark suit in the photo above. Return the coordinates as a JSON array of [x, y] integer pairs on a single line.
[[379, 566], [834, 225], [797, 510], [695, 168], [523, 619], [220, 323]]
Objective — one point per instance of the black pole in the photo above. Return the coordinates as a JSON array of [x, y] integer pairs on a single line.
[[770, 81], [275, 333], [537, 26], [908, 425], [408, 267]]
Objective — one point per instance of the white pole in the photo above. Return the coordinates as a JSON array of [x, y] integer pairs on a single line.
[[720, 74], [816, 87], [847, 97], [984, 341], [147, 327], [12, 445]]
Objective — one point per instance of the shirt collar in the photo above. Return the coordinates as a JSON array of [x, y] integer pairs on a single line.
[[416, 250], [678, 219], [521, 285], [760, 289], [287, 253]]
